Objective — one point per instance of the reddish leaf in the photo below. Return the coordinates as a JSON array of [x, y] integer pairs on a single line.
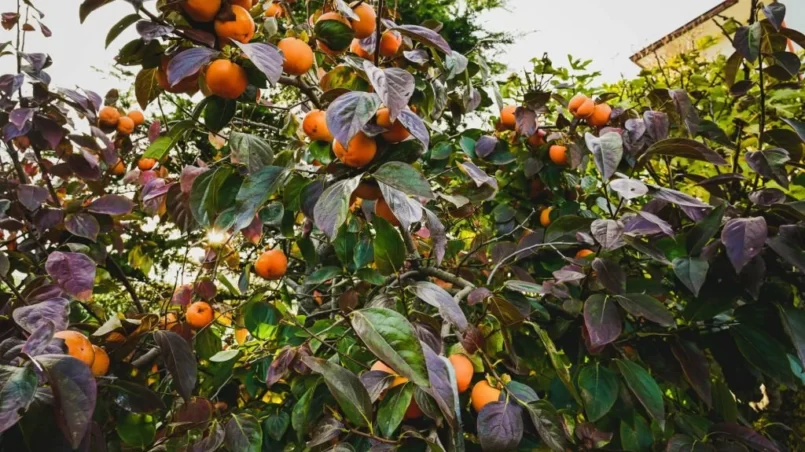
[[602, 319], [73, 272]]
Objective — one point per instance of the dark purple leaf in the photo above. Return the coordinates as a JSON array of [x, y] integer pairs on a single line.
[[200, 36], [679, 198], [328, 429], [525, 121], [10, 131], [695, 367], [111, 205], [610, 274], [478, 295], [602, 319], [485, 146], [20, 116], [609, 233], [47, 218], [51, 131], [438, 234], [500, 426], [153, 130], [657, 124], [150, 30], [37, 343], [607, 152], [188, 63], [347, 115], [346, 389], [82, 225], [375, 382], [95, 100], [591, 437], [38, 61], [31, 196], [73, 272], [478, 175], [645, 223], [425, 36], [85, 141], [180, 361], [33, 317], [775, 12], [332, 207], [744, 239], [745, 435], [569, 274], [266, 57], [395, 87], [686, 110], [692, 272], [685, 148], [17, 390], [416, 126], [10, 83], [74, 391], [629, 188], [437, 297], [770, 163], [416, 56], [767, 197], [84, 165], [45, 30], [280, 365], [746, 41], [648, 307], [441, 388]]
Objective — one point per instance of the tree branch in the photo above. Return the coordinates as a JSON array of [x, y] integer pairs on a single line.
[[117, 272]]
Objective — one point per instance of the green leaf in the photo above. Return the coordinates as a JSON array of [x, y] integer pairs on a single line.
[[214, 192], [636, 434], [260, 318], [250, 150], [565, 228], [134, 431], [17, 389], [692, 271], [334, 33], [685, 148], [371, 276], [224, 356], [389, 247], [390, 336], [243, 433], [405, 178], [160, 148], [558, 360], [207, 343], [763, 352], [146, 88], [276, 425], [119, 27], [332, 208], [548, 423], [256, 189], [794, 323], [644, 388], [646, 306], [704, 230], [599, 390], [218, 112], [323, 274], [724, 402], [346, 388], [467, 145], [392, 408], [301, 412], [88, 6]]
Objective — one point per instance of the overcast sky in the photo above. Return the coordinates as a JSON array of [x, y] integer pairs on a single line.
[[606, 31]]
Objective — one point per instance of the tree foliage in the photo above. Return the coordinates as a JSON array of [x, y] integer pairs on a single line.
[[622, 271]]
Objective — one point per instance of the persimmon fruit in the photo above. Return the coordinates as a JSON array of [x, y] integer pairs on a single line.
[[199, 315], [78, 346], [315, 126], [226, 79], [298, 56], [359, 152], [271, 265]]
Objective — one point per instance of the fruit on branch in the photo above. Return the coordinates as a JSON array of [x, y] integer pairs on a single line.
[[537, 139], [368, 190], [321, 44], [581, 254], [201, 10], [245, 4], [545, 217], [390, 43], [78, 346], [119, 168], [356, 48], [600, 116], [108, 118], [368, 21], [396, 132], [271, 265], [382, 367], [168, 321], [226, 79], [199, 315], [241, 29], [558, 154], [383, 211], [274, 10], [581, 106], [483, 394], [146, 164], [507, 120], [464, 370], [100, 363], [137, 117], [298, 56], [359, 152], [125, 126], [315, 126]]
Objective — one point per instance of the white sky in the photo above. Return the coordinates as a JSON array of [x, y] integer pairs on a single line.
[[606, 31]]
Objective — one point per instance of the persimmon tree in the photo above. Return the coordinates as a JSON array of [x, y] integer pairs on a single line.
[[332, 231]]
